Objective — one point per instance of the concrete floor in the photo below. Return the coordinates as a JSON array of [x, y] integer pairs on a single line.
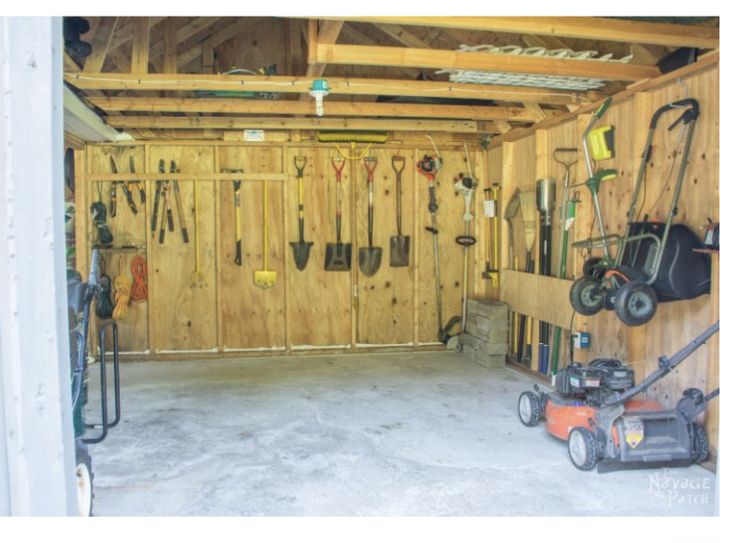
[[390, 434]]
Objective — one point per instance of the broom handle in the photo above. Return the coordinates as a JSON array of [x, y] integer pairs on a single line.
[[265, 225]]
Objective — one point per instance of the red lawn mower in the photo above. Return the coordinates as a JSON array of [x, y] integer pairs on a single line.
[[592, 408]]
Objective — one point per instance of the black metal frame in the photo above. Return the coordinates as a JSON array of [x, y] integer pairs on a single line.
[[105, 424]]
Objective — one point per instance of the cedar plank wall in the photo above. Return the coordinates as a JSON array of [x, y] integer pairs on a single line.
[[306, 310], [530, 158]]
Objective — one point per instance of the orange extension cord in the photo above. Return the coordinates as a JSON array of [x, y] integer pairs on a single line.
[[139, 290]]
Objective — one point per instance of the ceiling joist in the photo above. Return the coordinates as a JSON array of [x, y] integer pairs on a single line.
[[331, 108], [289, 123], [591, 28], [490, 62], [337, 85]]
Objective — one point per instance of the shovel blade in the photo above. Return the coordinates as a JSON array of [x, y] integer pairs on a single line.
[[301, 250], [338, 257], [265, 278], [370, 259], [400, 247]]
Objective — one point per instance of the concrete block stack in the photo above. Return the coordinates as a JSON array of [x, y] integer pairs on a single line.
[[486, 338]]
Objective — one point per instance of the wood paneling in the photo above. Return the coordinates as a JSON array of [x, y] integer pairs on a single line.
[[252, 317]]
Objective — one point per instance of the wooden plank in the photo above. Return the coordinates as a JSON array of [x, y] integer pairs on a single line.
[[439, 59], [385, 310], [243, 301], [128, 229], [320, 314], [328, 34], [101, 44], [450, 225], [185, 315], [337, 85], [141, 44], [169, 46], [540, 297], [402, 36], [331, 108], [291, 123], [592, 28], [706, 62]]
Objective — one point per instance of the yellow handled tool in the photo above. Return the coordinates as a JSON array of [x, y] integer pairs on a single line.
[[265, 278]]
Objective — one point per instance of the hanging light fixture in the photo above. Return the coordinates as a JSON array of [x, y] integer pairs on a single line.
[[319, 89]]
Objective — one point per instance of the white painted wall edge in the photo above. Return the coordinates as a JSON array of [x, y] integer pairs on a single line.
[[37, 438]]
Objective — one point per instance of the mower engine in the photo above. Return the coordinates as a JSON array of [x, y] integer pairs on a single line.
[[602, 379]]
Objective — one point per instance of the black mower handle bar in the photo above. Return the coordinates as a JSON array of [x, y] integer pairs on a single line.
[[689, 115]]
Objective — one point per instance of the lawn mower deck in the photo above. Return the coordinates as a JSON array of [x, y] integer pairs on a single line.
[[593, 409]]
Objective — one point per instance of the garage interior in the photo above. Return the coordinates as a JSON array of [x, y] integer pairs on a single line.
[[273, 370]]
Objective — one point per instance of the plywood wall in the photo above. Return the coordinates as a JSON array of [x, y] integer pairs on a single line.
[[531, 158], [310, 309]]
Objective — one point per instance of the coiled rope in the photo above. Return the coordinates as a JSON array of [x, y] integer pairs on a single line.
[[139, 269], [122, 293]]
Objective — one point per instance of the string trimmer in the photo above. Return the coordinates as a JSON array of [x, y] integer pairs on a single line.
[[301, 248], [429, 167], [465, 186]]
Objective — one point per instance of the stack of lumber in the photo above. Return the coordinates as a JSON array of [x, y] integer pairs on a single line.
[[485, 340]]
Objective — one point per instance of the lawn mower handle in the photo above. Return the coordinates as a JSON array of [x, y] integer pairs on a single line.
[[666, 364]]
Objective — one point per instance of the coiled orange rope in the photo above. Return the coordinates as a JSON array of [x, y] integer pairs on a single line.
[[138, 267], [122, 294]]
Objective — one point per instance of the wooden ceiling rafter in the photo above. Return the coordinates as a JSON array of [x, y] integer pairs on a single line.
[[592, 28], [333, 108], [338, 85]]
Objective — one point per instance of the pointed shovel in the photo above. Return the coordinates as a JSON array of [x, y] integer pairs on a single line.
[[301, 248], [370, 257], [399, 244]]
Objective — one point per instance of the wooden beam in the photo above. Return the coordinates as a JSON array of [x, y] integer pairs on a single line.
[[341, 85], [125, 31], [403, 36], [535, 111], [169, 46], [431, 58], [592, 28], [70, 65], [705, 62], [331, 108], [284, 123], [101, 44], [328, 34], [353, 34], [141, 46]]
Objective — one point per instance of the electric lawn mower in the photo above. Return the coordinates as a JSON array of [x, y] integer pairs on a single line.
[[655, 261], [592, 407]]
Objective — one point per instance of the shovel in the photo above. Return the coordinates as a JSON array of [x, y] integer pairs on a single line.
[[399, 244], [339, 255], [265, 278], [370, 256], [301, 248]]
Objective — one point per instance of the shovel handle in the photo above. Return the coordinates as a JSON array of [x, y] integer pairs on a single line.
[[300, 163], [398, 159]]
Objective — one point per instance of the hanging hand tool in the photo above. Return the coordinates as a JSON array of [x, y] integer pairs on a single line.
[[197, 277], [429, 167], [165, 212], [490, 208], [124, 186], [301, 248], [157, 198], [113, 199], [511, 210], [528, 214], [370, 257], [179, 207], [138, 182], [545, 195], [265, 278], [338, 255], [399, 244], [169, 208], [236, 187], [567, 214]]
